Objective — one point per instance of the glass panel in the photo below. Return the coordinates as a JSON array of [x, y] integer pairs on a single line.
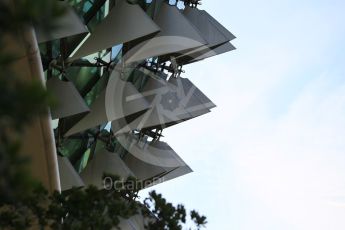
[[81, 76], [70, 147], [97, 88], [84, 160]]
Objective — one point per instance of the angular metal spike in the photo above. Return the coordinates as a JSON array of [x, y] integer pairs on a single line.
[[177, 34], [67, 25], [124, 23], [212, 35], [154, 161], [205, 53], [216, 35], [68, 175], [69, 101], [104, 162], [220, 27], [172, 102], [121, 102]]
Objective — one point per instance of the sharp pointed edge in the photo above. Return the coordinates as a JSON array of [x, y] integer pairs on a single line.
[[67, 25], [124, 23], [68, 176], [69, 101], [177, 35], [104, 162]]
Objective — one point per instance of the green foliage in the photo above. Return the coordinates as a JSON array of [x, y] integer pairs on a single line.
[[78, 208], [21, 101], [169, 217], [89, 208], [200, 221], [17, 13]]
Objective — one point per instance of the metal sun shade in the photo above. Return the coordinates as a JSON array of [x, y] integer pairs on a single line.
[[104, 162], [113, 105], [69, 101], [205, 27], [189, 88], [154, 162], [124, 23], [172, 102], [219, 26], [177, 35], [66, 25], [69, 178], [205, 53], [216, 35]]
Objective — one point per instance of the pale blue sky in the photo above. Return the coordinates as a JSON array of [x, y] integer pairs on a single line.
[[272, 154]]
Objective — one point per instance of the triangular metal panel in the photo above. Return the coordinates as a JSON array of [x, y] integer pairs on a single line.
[[151, 160], [171, 104], [113, 105], [123, 98], [69, 178], [220, 27], [216, 35], [175, 173], [97, 116], [199, 55], [189, 88], [124, 23], [177, 34], [206, 28], [104, 162], [154, 8], [69, 101], [142, 170], [66, 25], [155, 117]]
